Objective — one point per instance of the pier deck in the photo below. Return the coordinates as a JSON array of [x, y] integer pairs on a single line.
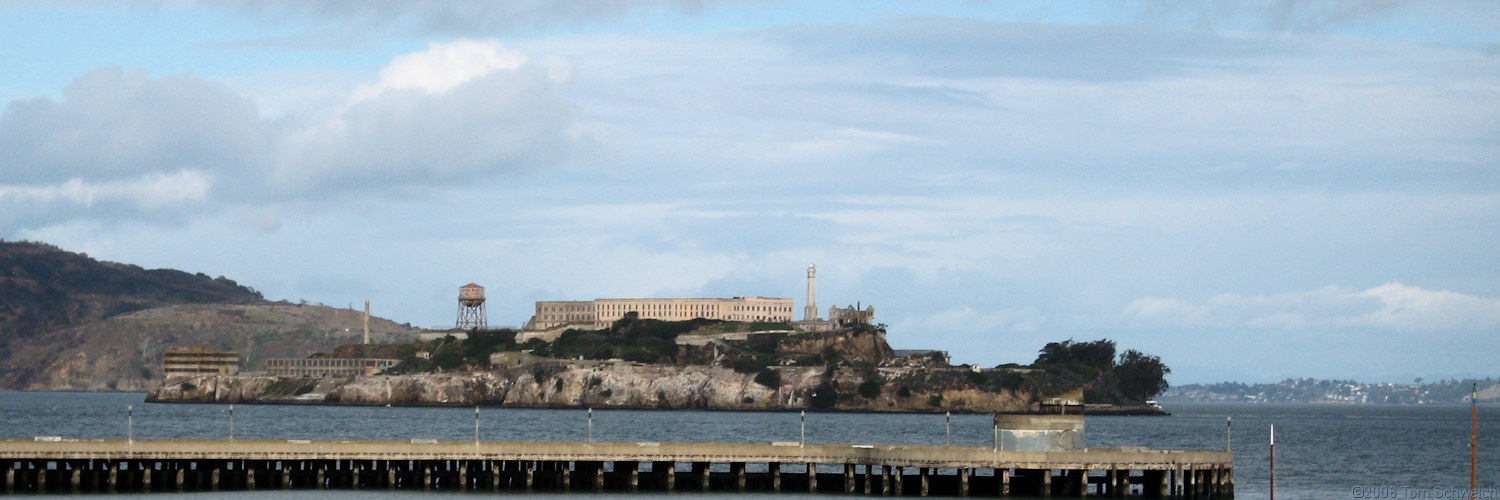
[[55, 464]]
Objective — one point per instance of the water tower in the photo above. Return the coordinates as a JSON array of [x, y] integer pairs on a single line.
[[471, 308]]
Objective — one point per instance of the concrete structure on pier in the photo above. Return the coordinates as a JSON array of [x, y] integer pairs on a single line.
[[1030, 432], [60, 465]]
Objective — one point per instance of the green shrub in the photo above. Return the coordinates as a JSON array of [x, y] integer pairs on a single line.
[[935, 400], [307, 387], [769, 378], [870, 388], [904, 392], [748, 365], [1008, 380], [825, 395], [765, 343]]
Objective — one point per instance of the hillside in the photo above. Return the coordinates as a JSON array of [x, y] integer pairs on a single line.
[[69, 322], [1311, 390], [44, 288]]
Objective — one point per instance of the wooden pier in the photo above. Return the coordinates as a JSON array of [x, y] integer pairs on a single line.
[[108, 465]]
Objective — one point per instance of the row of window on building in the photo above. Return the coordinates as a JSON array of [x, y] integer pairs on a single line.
[[602, 312], [192, 362]]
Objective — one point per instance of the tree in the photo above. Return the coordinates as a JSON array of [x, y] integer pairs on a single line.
[[1140, 376], [825, 395], [769, 378], [1098, 354]]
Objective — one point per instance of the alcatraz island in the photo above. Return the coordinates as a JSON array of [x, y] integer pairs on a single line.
[[69, 322], [741, 353]]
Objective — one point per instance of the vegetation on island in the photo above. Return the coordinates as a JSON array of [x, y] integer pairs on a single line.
[[43, 287], [851, 370], [1132, 377]]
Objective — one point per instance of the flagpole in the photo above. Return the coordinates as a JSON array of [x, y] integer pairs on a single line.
[[1474, 441]]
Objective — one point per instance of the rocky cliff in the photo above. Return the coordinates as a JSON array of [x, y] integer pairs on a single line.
[[599, 384]]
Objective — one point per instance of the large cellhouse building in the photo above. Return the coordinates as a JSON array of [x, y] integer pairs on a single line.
[[600, 313]]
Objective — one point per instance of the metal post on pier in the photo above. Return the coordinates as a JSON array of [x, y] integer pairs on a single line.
[[476, 427], [1229, 433], [591, 425], [130, 423], [803, 441], [231, 421], [948, 424]]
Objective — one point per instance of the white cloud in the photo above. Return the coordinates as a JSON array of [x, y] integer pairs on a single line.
[[1411, 308], [153, 190], [456, 112], [112, 124], [1025, 319], [449, 113], [1392, 306], [441, 67], [840, 145], [457, 17]]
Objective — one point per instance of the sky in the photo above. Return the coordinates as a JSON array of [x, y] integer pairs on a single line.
[[1251, 190]]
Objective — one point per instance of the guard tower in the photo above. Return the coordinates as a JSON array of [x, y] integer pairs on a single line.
[[471, 308]]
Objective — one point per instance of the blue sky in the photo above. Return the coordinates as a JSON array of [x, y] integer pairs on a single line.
[[1251, 190]]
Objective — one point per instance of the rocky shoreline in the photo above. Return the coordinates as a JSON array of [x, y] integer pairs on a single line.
[[588, 384]]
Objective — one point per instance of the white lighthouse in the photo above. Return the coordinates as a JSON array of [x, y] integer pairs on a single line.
[[810, 313]]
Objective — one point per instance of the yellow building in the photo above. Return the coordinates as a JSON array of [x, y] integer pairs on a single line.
[[600, 313], [197, 361]]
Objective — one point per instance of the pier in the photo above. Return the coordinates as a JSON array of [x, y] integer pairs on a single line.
[[51, 464]]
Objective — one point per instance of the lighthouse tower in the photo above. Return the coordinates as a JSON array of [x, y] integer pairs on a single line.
[[810, 313]]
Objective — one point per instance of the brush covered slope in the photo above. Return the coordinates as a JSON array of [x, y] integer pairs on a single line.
[[70, 322]]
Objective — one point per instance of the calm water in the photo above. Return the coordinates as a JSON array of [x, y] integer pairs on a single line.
[[1321, 452]]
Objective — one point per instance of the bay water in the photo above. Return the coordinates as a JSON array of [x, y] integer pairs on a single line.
[[1322, 451]]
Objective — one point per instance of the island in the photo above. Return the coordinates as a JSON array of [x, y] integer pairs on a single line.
[[696, 364]]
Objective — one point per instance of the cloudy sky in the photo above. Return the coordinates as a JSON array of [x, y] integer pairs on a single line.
[[1252, 190]]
